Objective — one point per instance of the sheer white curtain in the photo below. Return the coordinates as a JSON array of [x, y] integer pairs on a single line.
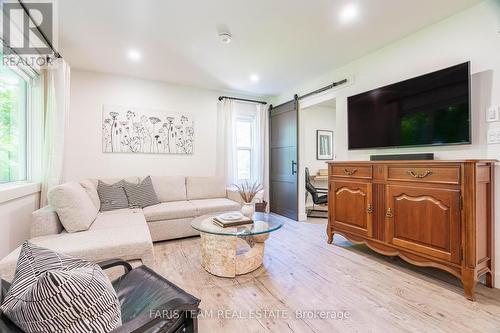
[[56, 117], [229, 112], [226, 162], [262, 147]]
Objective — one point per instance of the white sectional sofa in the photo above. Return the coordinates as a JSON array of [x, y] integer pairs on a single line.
[[129, 233]]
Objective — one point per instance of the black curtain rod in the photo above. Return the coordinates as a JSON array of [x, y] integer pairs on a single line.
[[241, 99], [320, 90], [26, 11]]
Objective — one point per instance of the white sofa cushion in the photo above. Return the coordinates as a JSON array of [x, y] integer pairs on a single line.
[[73, 206], [116, 234], [45, 221], [119, 218], [170, 210], [205, 187], [169, 188], [205, 206], [172, 229]]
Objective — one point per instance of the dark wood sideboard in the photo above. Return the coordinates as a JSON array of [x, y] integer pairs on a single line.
[[429, 213]]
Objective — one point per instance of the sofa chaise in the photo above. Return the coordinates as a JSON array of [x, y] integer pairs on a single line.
[[129, 233]]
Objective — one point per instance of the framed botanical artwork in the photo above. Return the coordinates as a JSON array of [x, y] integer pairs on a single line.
[[324, 145], [140, 130]]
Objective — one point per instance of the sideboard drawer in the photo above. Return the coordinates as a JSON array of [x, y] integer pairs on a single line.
[[351, 171], [441, 175]]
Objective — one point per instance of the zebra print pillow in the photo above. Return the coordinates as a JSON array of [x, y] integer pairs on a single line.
[[52, 292], [141, 195]]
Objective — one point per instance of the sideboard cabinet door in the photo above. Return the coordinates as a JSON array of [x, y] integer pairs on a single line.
[[425, 220], [351, 207]]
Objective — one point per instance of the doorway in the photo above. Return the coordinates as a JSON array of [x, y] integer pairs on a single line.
[[316, 121], [294, 145]]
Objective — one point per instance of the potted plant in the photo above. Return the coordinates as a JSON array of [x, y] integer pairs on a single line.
[[248, 191]]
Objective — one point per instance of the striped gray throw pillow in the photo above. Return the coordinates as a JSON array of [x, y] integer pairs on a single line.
[[52, 292], [112, 196], [141, 195]]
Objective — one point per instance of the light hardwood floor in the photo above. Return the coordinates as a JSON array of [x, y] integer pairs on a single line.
[[301, 272]]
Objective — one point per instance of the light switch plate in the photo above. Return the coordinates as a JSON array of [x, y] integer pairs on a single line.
[[492, 113]]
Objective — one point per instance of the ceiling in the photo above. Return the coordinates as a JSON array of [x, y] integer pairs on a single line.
[[284, 42]]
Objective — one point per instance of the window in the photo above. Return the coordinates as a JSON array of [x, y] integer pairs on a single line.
[[13, 118], [245, 148]]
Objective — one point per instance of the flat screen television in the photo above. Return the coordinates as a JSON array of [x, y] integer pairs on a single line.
[[429, 110]]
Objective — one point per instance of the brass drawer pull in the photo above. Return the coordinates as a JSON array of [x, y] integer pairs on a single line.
[[419, 175], [389, 213], [350, 172], [369, 209]]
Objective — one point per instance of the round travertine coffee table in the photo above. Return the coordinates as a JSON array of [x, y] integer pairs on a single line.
[[232, 251]]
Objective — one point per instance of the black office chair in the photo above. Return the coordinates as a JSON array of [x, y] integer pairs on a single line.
[[149, 303], [319, 196]]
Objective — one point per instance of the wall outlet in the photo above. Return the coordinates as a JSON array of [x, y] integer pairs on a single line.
[[493, 136]]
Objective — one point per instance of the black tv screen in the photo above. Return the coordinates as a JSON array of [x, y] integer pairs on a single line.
[[432, 109]]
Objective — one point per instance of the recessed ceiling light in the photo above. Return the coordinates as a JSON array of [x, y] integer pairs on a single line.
[[134, 55], [349, 13], [254, 78], [225, 37]]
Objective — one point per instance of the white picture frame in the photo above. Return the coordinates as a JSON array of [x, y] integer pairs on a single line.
[[324, 145]]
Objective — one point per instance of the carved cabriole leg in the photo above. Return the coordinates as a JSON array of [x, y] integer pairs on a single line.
[[329, 232], [469, 281], [489, 280]]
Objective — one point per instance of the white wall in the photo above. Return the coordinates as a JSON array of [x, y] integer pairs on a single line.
[[15, 217], [311, 119], [472, 35], [89, 91], [84, 158]]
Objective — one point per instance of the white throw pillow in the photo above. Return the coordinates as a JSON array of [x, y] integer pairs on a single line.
[[73, 206], [91, 190]]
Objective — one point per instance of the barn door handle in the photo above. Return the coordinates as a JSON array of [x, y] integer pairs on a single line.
[[419, 175], [350, 172], [294, 169], [389, 213]]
